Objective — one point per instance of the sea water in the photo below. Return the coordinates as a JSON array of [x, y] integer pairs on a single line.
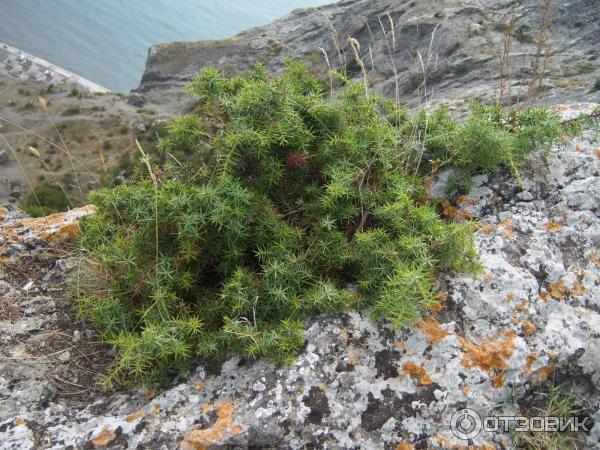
[[107, 41]]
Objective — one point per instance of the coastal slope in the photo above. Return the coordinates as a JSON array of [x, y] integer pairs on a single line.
[[446, 52]]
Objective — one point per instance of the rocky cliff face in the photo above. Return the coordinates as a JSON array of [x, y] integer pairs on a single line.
[[446, 51], [532, 316]]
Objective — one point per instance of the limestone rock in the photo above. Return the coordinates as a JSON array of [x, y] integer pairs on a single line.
[[18, 232], [532, 315], [458, 41]]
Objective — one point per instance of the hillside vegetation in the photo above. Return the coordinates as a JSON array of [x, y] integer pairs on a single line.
[[274, 201]]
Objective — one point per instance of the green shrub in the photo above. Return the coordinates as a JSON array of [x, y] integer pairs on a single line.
[[488, 140], [275, 203], [71, 111], [596, 86], [459, 182], [46, 199]]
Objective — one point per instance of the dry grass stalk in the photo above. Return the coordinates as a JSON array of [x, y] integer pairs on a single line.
[[391, 55], [392, 26], [372, 42], [425, 65], [355, 45], [322, 50], [146, 160], [334, 35]]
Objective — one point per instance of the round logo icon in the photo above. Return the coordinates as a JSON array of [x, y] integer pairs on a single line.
[[465, 424]]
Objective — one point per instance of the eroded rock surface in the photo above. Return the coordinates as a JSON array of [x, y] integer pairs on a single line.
[[532, 315], [446, 51]]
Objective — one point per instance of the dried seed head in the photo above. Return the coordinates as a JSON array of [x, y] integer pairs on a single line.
[[34, 151], [43, 103]]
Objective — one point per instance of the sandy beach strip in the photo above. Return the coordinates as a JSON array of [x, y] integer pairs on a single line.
[[24, 66]]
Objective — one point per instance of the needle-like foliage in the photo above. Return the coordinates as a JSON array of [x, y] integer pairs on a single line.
[[274, 202]]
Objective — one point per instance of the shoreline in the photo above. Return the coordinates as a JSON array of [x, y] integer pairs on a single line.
[[21, 65]]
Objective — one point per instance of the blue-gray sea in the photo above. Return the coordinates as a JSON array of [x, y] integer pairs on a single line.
[[107, 41]]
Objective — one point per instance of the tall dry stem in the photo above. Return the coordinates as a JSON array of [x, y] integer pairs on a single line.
[[504, 59], [542, 51], [324, 53], [334, 35], [146, 161], [355, 45], [395, 71]]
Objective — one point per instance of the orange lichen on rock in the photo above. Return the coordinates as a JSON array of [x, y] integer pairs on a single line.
[[506, 226], [491, 357], [487, 229], [558, 290], [498, 379], [543, 373], [464, 215], [448, 210], [595, 260], [437, 307], [522, 305], [530, 360], [544, 296], [352, 359], [136, 415], [150, 393], [223, 427], [405, 447], [417, 372], [104, 438], [464, 200], [53, 229], [553, 226], [529, 328], [66, 232], [577, 289], [19, 421], [441, 441], [445, 443], [431, 329]]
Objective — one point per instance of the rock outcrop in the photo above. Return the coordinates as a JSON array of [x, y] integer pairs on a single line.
[[21, 235], [446, 51], [532, 316]]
